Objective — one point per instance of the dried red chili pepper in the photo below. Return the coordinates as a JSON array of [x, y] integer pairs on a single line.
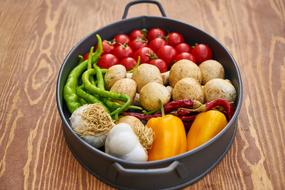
[[228, 107], [174, 105], [187, 118], [142, 116], [146, 117]]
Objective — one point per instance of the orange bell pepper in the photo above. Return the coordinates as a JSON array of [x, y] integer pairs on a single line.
[[205, 126], [169, 137]]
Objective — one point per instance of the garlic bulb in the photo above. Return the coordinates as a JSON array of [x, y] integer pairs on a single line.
[[92, 123]]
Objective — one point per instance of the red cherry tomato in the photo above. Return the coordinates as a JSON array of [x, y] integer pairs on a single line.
[[167, 53], [128, 62], [182, 47], [107, 46], [122, 51], [174, 38], [107, 60], [156, 43], [161, 65], [85, 56], [145, 53], [136, 34], [137, 44], [121, 39], [185, 55], [155, 33], [202, 53]]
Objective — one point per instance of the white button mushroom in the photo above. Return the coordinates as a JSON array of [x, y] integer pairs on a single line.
[[151, 95], [146, 73], [219, 88], [125, 86], [114, 74], [211, 69], [183, 69], [188, 88]]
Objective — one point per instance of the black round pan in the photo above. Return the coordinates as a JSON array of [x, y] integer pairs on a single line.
[[172, 173]]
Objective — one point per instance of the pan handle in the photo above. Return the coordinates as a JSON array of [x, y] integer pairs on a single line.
[[131, 3], [174, 167]]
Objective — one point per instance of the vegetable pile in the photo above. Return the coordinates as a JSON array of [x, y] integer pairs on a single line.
[[148, 95]]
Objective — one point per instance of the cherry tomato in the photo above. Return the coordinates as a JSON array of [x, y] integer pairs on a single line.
[[121, 39], [137, 43], [107, 46], [161, 65], [156, 43], [122, 51], [185, 55], [182, 47], [136, 34], [145, 53], [167, 53], [85, 57], [174, 38], [202, 52], [128, 62], [107, 60], [155, 33]]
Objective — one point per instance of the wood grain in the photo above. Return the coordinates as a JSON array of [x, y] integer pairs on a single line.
[[36, 35]]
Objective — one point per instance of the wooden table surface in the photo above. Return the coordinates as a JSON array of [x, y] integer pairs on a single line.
[[36, 35]]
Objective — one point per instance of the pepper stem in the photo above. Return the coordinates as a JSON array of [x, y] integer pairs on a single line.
[[136, 66], [196, 104], [201, 108], [161, 108], [81, 59]]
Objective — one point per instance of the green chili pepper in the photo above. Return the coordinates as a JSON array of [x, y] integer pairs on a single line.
[[97, 54], [116, 105], [69, 90], [94, 57], [82, 101], [90, 58], [150, 112], [88, 97], [105, 94], [89, 61], [135, 107], [99, 49], [99, 75]]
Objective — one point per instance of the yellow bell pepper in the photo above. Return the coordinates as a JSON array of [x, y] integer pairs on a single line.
[[205, 126], [169, 137]]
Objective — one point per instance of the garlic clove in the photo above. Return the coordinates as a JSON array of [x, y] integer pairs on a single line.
[[137, 154], [75, 118], [96, 141], [123, 143]]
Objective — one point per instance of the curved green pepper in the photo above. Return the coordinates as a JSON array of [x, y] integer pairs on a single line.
[[105, 94], [69, 90]]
